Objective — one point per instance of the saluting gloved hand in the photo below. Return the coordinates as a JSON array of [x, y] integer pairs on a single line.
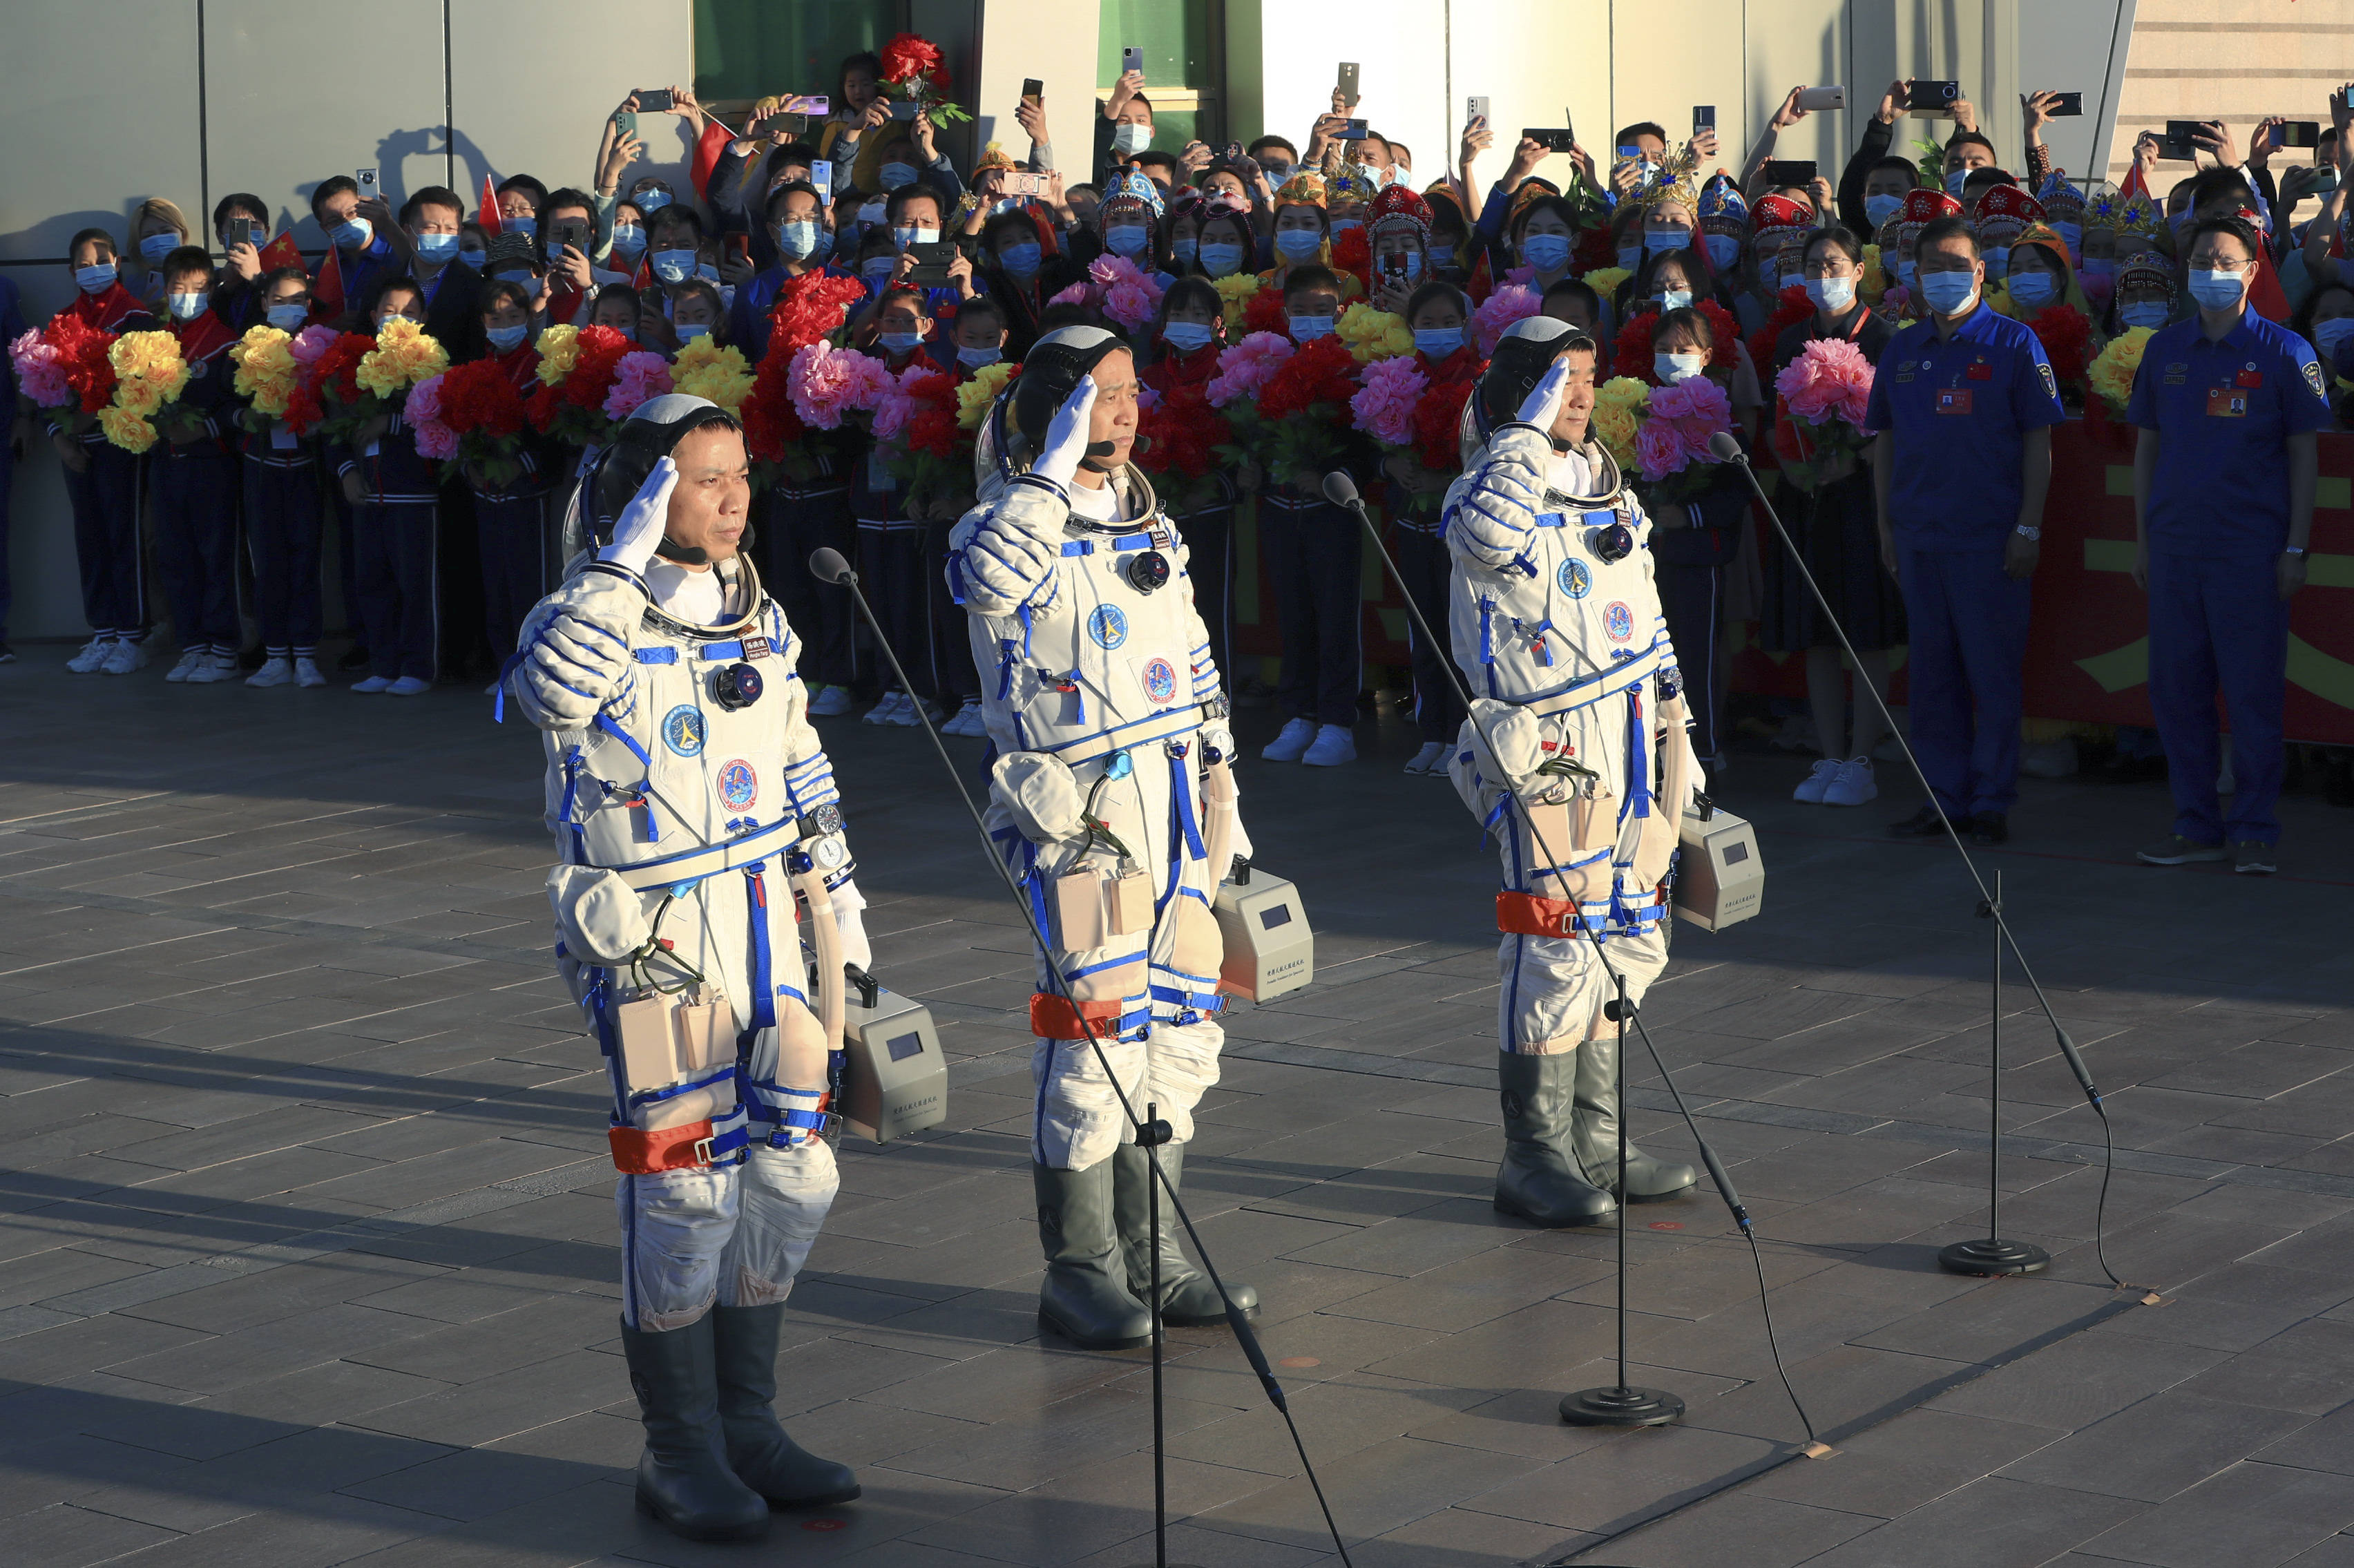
[[1066, 435], [1541, 407], [638, 532]]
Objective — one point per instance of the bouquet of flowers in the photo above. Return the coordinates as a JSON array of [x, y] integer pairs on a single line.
[[1114, 285], [1239, 292], [1264, 313], [2067, 339], [1605, 280], [401, 355], [2111, 375], [266, 372], [1617, 419], [1294, 424], [1410, 414], [715, 372], [915, 72], [67, 365], [1672, 440], [1373, 334], [1820, 398], [590, 379], [472, 418], [1352, 258], [150, 372], [1181, 442], [810, 308], [829, 384], [1506, 306]]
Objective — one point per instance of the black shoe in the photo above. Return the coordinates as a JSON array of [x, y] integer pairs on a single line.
[[357, 658], [1990, 828], [761, 1453], [684, 1479], [1925, 823]]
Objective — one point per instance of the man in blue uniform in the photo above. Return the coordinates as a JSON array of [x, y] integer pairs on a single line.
[[1963, 404], [2227, 403]]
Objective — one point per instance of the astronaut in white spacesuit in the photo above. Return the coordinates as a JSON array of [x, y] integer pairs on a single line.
[[1111, 798], [696, 821], [1558, 631]]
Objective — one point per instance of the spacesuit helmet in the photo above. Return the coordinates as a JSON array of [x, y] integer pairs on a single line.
[[1523, 355], [643, 440]]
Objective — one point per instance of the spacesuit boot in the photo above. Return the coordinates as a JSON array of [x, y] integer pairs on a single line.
[[1594, 1133], [1539, 1180], [762, 1455], [683, 1481], [1188, 1299], [1085, 1297]]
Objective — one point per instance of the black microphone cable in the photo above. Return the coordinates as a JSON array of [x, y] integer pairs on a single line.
[[1725, 448], [1341, 491], [828, 565]]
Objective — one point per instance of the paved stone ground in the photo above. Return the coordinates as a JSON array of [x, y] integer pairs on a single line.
[[308, 1236]]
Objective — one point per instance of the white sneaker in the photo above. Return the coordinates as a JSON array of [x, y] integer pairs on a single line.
[[1431, 758], [408, 687], [275, 671], [123, 658], [1333, 746], [373, 685], [93, 654], [887, 710], [1292, 743], [1852, 783], [1811, 788], [968, 720], [306, 673], [1797, 733], [190, 662], [829, 702], [907, 717], [216, 667]]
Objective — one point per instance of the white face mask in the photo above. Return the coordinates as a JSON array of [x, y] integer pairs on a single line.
[[1832, 293], [1129, 138], [1671, 368]]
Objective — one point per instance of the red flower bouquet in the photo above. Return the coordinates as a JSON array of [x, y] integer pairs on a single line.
[[914, 70], [1789, 310], [1353, 254], [811, 308], [570, 401], [808, 308], [1299, 417], [1178, 443], [1265, 313], [479, 403], [2067, 339]]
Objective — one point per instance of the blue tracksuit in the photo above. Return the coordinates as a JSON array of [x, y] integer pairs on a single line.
[[2218, 517], [393, 544], [195, 487], [1960, 411]]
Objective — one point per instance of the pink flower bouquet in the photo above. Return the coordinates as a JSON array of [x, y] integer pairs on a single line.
[[1820, 398]]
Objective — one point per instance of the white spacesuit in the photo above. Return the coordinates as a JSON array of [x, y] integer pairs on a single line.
[[1558, 631], [1111, 801], [691, 801]]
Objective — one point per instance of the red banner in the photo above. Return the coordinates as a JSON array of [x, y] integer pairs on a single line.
[[2087, 650]]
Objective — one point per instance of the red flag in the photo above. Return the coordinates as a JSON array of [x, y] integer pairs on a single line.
[[2133, 184], [281, 252], [707, 148], [327, 286], [489, 217]]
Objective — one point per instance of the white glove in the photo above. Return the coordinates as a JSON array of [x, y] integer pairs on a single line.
[[1513, 738], [1543, 405], [639, 530], [602, 919], [1066, 435], [847, 903], [1041, 792]]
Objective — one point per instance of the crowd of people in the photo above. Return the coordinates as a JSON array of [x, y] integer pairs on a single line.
[[1983, 300]]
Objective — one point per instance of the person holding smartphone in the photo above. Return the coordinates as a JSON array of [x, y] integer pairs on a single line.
[[241, 225], [1124, 128]]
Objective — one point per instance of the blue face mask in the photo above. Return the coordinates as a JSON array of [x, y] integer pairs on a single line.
[[2142, 314], [288, 318], [1185, 251], [1674, 298], [875, 269], [674, 265], [1630, 257], [974, 358], [894, 176], [689, 331], [1221, 260], [1997, 265], [1298, 244], [155, 246], [436, 248], [527, 226], [1021, 260], [1438, 342], [1956, 181], [652, 200], [1307, 329], [1545, 252], [353, 234], [523, 281], [797, 241], [1723, 252], [1947, 291], [1187, 336], [629, 241], [1879, 210], [474, 255], [1657, 240], [2034, 289], [506, 337], [1904, 273], [1131, 138], [1127, 238], [900, 342], [187, 307], [2216, 291], [95, 279]]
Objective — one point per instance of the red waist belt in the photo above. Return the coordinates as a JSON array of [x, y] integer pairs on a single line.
[[1526, 915], [1053, 1017], [637, 1153]]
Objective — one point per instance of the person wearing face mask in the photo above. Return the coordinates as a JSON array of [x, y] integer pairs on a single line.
[[1228, 245], [1723, 226], [1921, 208], [428, 239], [1312, 552], [2327, 321], [508, 520], [625, 246], [1397, 223], [1963, 405], [2003, 214], [2146, 295], [674, 239], [1183, 221], [101, 479], [1834, 523], [798, 229], [2063, 209], [859, 110], [192, 482], [1547, 242], [900, 332], [1778, 229], [2040, 281], [567, 239], [911, 157], [915, 216], [1187, 336], [473, 245], [359, 255], [392, 492], [521, 200], [1301, 224], [2096, 273], [1124, 128], [1875, 182], [1129, 223], [236, 216], [283, 511], [1556, 625], [2228, 404], [157, 230], [516, 260], [1023, 266], [1440, 316]]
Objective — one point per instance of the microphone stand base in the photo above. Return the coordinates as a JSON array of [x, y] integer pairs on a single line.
[[1993, 1255], [1621, 1407]]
